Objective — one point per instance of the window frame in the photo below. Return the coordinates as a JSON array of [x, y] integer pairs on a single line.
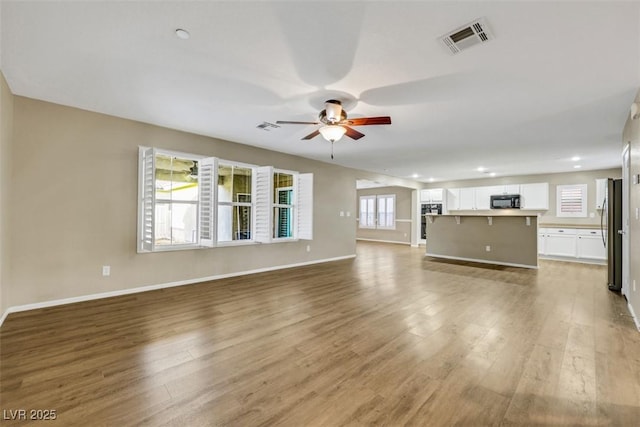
[[376, 223], [234, 204], [293, 206], [142, 246], [207, 205], [387, 198], [366, 224], [560, 190]]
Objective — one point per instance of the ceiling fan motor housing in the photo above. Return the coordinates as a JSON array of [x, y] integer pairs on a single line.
[[333, 111]]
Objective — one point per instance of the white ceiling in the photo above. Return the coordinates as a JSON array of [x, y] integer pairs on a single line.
[[556, 82]]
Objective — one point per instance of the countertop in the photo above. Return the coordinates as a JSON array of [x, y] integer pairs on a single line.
[[588, 226]]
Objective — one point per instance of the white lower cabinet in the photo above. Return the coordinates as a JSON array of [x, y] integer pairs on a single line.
[[590, 245], [560, 242], [567, 243]]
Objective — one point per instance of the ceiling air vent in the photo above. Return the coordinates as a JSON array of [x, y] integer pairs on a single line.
[[267, 126], [462, 38]]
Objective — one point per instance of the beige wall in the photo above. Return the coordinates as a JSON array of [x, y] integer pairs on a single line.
[[546, 217], [6, 133], [402, 232], [510, 240], [631, 136], [74, 200]]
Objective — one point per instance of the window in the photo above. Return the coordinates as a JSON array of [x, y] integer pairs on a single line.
[[368, 212], [234, 202], [283, 205], [378, 212], [188, 201], [571, 201], [169, 200], [387, 212]]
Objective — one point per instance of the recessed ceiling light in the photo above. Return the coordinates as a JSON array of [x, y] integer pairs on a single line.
[[492, 174], [575, 158], [431, 179], [415, 175], [577, 166], [481, 168], [182, 34]]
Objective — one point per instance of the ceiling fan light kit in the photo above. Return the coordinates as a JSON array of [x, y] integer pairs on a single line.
[[332, 133], [336, 123]]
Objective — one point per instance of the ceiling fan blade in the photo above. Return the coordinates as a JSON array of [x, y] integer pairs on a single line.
[[312, 134], [285, 122], [384, 120], [352, 133]]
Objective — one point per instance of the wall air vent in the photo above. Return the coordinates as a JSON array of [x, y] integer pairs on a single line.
[[468, 35]]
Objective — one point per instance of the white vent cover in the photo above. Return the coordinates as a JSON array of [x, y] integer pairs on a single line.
[[468, 35]]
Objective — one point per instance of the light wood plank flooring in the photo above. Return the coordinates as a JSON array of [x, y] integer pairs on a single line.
[[389, 338]]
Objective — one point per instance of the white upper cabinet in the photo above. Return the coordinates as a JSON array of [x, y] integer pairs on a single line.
[[467, 199], [512, 189], [483, 196], [534, 196], [437, 195], [453, 199], [432, 195], [601, 192]]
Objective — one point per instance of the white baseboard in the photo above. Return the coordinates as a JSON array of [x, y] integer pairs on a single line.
[[573, 259], [633, 315], [384, 241], [63, 301], [481, 261]]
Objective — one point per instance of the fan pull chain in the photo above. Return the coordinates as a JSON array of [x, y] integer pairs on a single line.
[[331, 150]]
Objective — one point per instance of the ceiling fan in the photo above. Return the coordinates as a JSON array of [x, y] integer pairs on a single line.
[[336, 124]]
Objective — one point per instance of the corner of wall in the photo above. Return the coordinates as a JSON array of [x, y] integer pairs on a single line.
[[6, 137]]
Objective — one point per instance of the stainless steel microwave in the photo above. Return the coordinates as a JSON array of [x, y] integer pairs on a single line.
[[505, 201]]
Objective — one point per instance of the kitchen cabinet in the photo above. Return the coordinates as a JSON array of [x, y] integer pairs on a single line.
[[560, 242], [467, 199], [601, 192], [541, 241], [572, 243], [590, 245], [534, 196], [483, 196], [431, 195], [453, 199]]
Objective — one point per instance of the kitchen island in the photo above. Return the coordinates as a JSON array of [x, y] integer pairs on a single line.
[[510, 240]]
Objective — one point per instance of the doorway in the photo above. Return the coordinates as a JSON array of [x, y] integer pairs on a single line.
[[625, 219]]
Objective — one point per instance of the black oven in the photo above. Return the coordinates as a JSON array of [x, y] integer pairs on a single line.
[[505, 201]]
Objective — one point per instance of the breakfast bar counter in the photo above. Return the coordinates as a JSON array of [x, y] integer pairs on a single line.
[[503, 239]]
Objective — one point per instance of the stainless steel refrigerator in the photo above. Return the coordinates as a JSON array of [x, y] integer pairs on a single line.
[[613, 215]]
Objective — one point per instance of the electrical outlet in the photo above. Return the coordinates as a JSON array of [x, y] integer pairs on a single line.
[[106, 270], [348, 213], [487, 248], [341, 213], [308, 248]]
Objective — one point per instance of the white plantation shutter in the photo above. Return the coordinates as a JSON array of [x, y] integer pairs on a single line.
[[207, 190], [304, 201], [571, 200], [146, 194], [263, 195]]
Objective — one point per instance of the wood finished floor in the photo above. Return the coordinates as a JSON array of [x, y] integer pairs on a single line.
[[389, 338]]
